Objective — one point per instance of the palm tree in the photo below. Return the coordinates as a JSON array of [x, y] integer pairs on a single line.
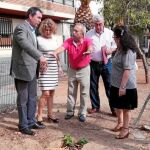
[[84, 14]]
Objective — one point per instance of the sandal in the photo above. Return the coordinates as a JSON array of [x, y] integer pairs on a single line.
[[39, 120], [40, 123], [54, 120], [123, 136], [118, 127]]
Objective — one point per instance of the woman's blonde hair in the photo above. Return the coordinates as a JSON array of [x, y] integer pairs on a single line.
[[47, 23]]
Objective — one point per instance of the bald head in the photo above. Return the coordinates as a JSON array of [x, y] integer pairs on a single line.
[[79, 31], [81, 27]]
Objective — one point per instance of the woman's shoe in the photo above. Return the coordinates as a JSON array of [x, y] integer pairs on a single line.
[[40, 123], [118, 127], [54, 120], [123, 136], [39, 119]]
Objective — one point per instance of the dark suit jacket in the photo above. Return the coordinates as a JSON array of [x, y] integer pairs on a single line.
[[25, 55]]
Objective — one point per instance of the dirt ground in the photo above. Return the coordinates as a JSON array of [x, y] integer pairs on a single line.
[[96, 129]]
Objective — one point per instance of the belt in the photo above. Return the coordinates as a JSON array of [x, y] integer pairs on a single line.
[[97, 62], [79, 68], [100, 62]]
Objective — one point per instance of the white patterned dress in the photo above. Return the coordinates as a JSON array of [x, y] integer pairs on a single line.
[[49, 79]]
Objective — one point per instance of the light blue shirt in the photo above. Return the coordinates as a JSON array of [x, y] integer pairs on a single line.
[[32, 30]]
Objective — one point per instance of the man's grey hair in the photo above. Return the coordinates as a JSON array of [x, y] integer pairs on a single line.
[[83, 27], [97, 18]]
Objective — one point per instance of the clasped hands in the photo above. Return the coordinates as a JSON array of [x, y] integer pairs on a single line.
[[43, 64], [43, 61]]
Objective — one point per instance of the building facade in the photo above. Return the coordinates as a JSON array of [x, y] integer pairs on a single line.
[[12, 13]]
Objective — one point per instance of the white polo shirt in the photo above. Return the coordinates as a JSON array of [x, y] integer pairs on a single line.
[[100, 40]]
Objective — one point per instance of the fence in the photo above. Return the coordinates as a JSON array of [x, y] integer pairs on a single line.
[[7, 91]]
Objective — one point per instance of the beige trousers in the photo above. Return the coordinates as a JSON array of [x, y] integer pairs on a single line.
[[79, 77]]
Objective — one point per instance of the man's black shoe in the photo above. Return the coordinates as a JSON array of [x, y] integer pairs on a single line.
[[67, 117], [27, 131], [38, 126]]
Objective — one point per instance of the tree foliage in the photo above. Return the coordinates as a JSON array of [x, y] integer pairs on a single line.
[[133, 13]]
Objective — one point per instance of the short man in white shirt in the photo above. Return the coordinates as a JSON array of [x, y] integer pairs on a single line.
[[102, 41]]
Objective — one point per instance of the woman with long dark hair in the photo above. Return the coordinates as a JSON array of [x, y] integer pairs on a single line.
[[123, 81]]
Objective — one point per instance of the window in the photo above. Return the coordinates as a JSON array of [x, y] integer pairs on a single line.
[[69, 2], [6, 31], [57, 1], [65, 2]]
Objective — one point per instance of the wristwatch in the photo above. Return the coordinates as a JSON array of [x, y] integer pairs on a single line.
[[123, 87]]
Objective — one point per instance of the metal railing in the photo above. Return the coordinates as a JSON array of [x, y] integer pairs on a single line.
[[7, 90], [6, 30]]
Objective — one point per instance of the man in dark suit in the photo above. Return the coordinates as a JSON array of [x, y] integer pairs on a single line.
[[24, 65]]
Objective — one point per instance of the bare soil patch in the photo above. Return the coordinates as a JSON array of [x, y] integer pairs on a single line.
[[97, 128]]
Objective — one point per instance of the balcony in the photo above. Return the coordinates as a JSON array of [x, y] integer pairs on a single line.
[[57, 9], [64, 2]]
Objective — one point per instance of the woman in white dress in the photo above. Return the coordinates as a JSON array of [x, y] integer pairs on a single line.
[[48, 79]]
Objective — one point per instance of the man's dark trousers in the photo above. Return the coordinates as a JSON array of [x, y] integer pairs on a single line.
[[104, 70], [26, 102]]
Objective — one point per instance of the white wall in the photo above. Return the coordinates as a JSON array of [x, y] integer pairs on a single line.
[[65, 34], [66, 30], [15, 22]]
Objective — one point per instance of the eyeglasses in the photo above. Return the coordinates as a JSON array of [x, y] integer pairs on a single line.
[[74, 30], [115, 37]]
